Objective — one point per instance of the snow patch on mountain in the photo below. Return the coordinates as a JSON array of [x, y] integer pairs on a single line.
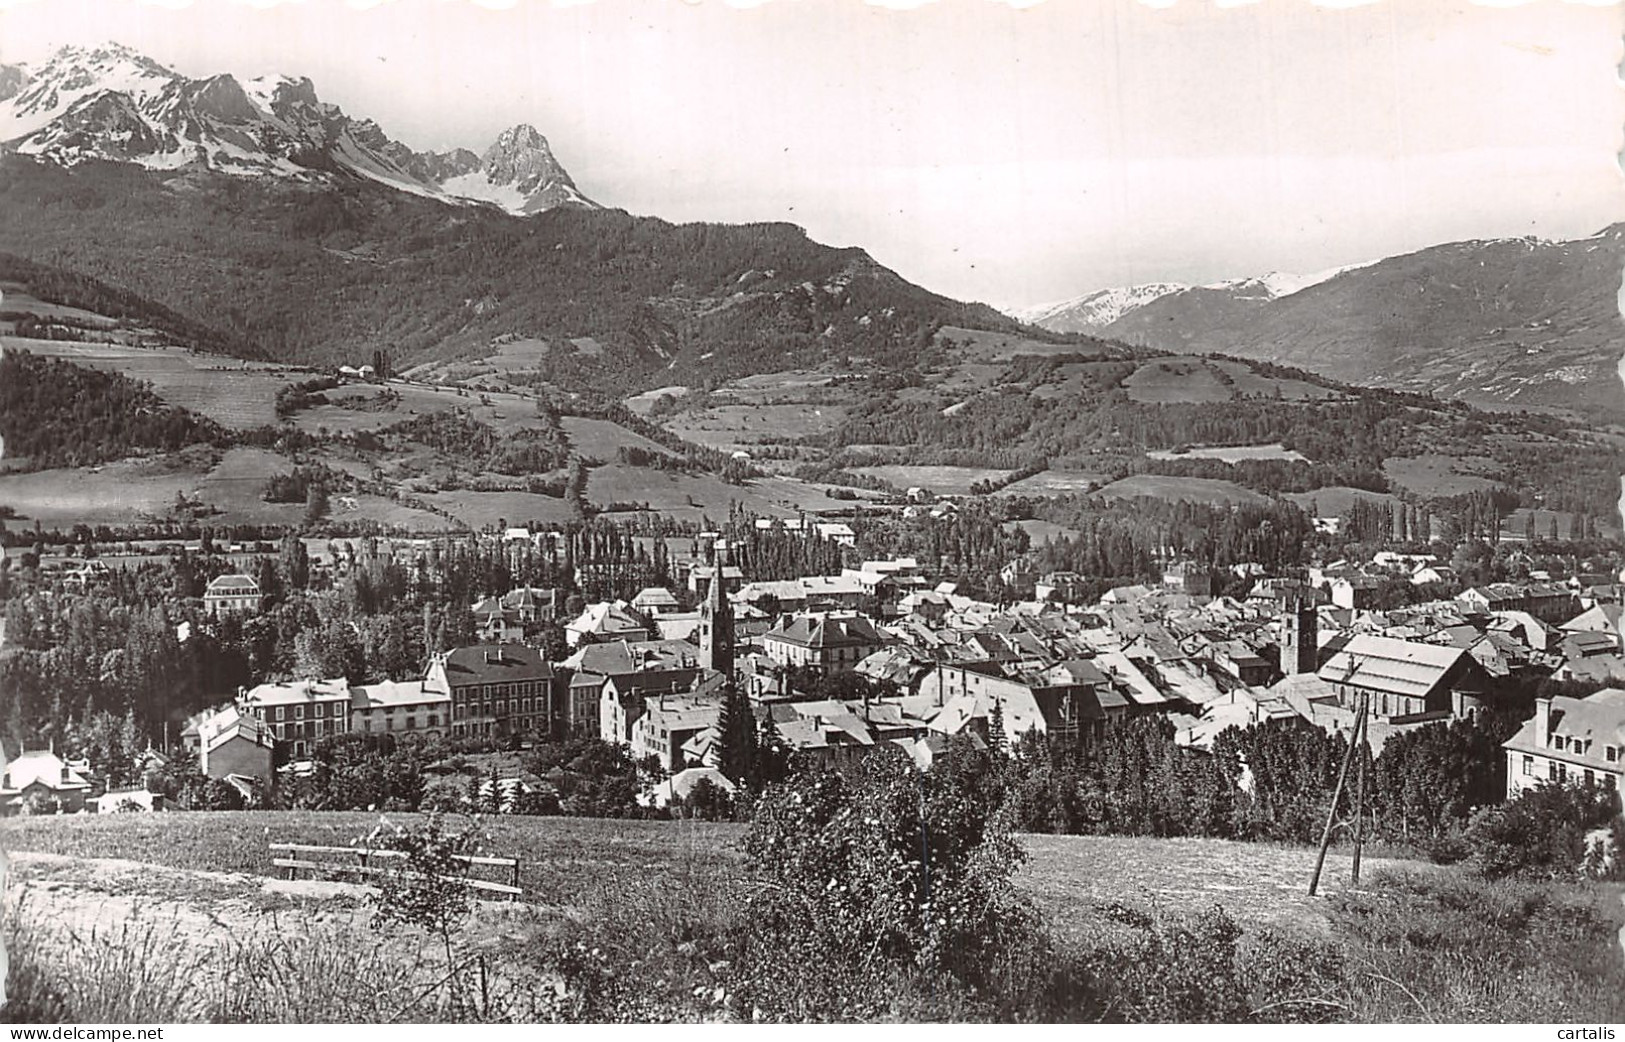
[[1097, 309], [112, 103]]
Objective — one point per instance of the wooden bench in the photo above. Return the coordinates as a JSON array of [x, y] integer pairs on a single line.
[[291, 857]]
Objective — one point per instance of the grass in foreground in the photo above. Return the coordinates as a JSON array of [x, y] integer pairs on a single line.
[[660, 927]]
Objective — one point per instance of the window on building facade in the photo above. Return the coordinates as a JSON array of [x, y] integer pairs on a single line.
[[1611, 753], [1528, 764], [279, 712], [1591, 777], [298, 712]]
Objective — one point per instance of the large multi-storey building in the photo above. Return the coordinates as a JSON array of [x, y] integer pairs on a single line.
[[495, 690], [1579, 740], [832, 643], [300, 713]]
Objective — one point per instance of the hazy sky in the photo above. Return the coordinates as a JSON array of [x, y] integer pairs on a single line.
[[996, 153]]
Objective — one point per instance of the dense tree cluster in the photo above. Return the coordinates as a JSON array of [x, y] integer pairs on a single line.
[[57, 414], [478, 446]]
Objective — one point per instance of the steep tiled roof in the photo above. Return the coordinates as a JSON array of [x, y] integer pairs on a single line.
[[1396, 666], [495, 664]]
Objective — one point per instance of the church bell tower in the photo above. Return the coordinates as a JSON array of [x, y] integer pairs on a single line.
[[717, 619]]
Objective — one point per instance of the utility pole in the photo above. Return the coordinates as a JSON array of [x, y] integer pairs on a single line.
[[1359, 784], [1356, 738]]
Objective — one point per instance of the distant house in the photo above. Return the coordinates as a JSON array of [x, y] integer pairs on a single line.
[[1580, 740], [681, 786], [829, 642], [233, 743], [1355, 591], [495, 624], [129, 800], [836, 532], [1070, 701], [699, 579], [45, 774], [669, 723], [232, 595], [1189, 578], [655, 600], [1600, 618], [1241, 662], [1059, 586], [1433, 573], [532, 603], [606, 621]]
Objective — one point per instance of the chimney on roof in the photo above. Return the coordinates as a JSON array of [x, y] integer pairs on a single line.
[[1543, 721]]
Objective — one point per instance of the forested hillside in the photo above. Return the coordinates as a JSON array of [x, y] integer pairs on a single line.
[[75, 290], [327, 274], [56, 414]]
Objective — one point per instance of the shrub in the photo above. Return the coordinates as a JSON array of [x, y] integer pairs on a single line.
[[425, 886], [889, 864], [1540, 832]]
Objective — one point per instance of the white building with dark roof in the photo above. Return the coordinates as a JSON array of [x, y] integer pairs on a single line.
[[1579, 740], [45, 773], [300, 713], [232, 595], [830, 642]]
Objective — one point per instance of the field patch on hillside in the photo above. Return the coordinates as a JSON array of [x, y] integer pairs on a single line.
[[644, 403], [944, 481], [687, 497], [1232, 453], [18, 300], [482, 509], [602, 440], [564, 859], [1041, 532], [372, 407], [1196, 490], [980, 345], [1055, 482], [1070, 876], [1438, 475], [1190, 379], [743, 427], [235, 394], [120, 493]]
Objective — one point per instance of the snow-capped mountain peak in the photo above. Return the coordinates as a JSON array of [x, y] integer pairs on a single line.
[[38, 96], [114, 104], [1095, 310], [518, 173]]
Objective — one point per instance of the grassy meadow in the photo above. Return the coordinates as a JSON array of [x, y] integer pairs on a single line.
[[626, 920]]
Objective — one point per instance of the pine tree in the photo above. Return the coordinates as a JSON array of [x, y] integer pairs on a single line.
[[997, 741], [737, 727]]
